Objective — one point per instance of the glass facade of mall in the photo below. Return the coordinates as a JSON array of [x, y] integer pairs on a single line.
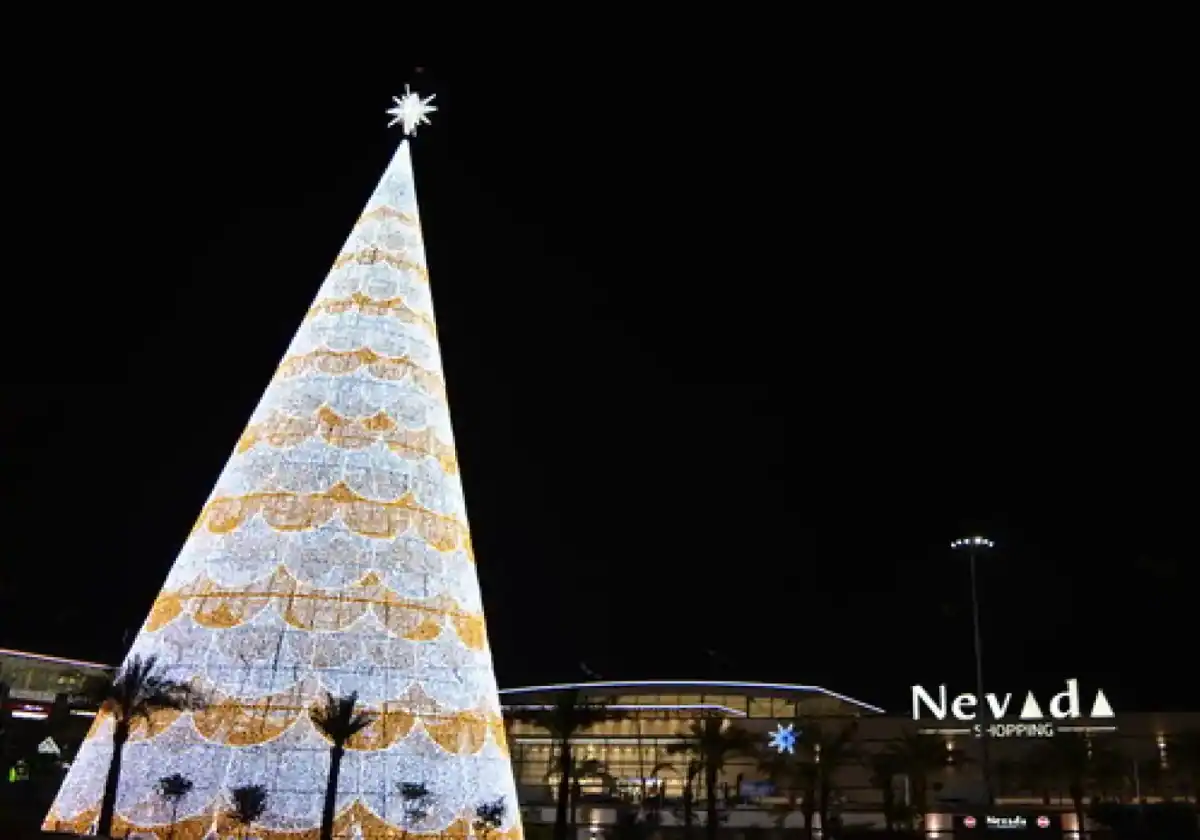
[[636, 756], [36, 678], [634, 750]]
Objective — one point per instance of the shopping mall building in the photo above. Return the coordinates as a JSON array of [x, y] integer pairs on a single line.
[[640, 752], [46, 709]]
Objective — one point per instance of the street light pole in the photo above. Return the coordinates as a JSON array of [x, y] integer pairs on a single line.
[[974, 545]]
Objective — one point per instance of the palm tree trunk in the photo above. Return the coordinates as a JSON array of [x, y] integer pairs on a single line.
[[564, 790], [174, 818], [108, 804], [575, 790], [688, 796], [335, 768], [919, 793], [710, 790], [641, 759], [1077, 801], [823, 807]]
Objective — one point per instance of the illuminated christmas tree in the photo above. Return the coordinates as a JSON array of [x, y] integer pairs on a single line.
[[332, 556]]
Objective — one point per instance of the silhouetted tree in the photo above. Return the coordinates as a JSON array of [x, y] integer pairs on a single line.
[[712, 741], [136, 692], [340, 720], [489, 816], [249, 804], [567, 716], [416, 798], [174, 788]]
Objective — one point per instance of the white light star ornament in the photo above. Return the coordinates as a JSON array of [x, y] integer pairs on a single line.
[[410, 110], [783, 739]]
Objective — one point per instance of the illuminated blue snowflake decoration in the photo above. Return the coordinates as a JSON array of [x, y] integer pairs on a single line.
[[783, 739]]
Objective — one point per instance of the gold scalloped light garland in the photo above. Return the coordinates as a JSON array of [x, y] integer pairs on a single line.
[[342, 362], [224, 719], [285, 511], [281, 430], [310, 608], [385, 211], [375, 256], [394, 307], [373, 827]]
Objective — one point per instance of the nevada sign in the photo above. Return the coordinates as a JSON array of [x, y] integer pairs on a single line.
[[1031, 722]]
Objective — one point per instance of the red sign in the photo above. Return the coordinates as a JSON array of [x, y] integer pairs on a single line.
[[969, 822], [1043, 822]]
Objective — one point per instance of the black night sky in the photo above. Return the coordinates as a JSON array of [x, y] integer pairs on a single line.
[[730, 364]]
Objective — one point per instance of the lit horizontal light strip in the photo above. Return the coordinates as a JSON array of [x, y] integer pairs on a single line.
[[816, 689], [629, 740], [24, 715], [637, 707], [80, 662], [1058, 728]]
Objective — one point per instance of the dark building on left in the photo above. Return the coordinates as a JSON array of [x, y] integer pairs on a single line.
[[45, 712]]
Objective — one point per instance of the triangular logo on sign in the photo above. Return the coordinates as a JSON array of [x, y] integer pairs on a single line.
[[1101, 708], [48, 747], [1031, 710]]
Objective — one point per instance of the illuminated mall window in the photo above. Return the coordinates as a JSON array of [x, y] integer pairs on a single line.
[[736, 702], [760, 707], [40, 680], [783, 708]]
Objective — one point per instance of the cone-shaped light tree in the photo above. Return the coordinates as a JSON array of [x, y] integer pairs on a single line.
[[332, 558]]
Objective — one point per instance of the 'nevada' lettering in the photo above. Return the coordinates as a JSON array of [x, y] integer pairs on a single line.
[[1071, 697], [920, 695], [964, 707]]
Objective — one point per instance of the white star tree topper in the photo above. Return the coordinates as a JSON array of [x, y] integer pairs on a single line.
[[411, 110]]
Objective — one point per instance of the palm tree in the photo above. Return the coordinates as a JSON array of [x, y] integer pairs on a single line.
[[885, 767], [1006, 777], [656, 801], [489, 816], [712, 741], [831, 749], [1183, 757], [796, 774], [1077, 762], [340, 720], [416, 798], [566, 717], [689, 795], [1111, 773], [136, 692], [589, 768], [249, 804], [920, 757], [174, 788]]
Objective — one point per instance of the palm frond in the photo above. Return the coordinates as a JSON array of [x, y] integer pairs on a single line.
[[174, 787], [249, 803], [567, 714], [340, 718], [139, 690]]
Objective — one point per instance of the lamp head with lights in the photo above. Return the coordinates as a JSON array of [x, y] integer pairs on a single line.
[[972, 542]]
